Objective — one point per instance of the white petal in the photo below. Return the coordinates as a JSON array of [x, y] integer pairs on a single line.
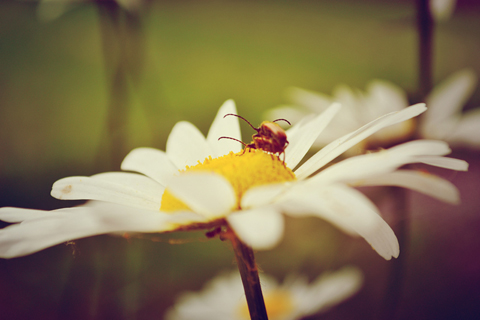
[[42, 229], [260, 228], [302, 139], [315, 101], [91, 188], [447, 99], [151, 162], [227, 127], [299, 125], [441, 130], [352, 114], [12, 215], [444, 162], [422, 147], [292, 114], [330, 289], [450, 96], [219, 299], [366, 165], [346, 208], [263, 195], [143, 184], [426, 183], [186, 145], [337, 147], [442, 10], [467, 130], [208, 194], [385, 96]]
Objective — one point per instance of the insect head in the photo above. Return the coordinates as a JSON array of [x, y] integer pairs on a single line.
[[270, 137]]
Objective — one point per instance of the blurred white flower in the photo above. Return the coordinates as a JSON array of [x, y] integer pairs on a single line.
[[442, 10], [443, 120], [224, 298], [358, 109], [247, 191], [49, 10]]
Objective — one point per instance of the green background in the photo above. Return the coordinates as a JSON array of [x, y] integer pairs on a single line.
[[180, 60]]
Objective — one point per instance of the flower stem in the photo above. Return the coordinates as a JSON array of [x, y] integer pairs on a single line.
[[123, 50], [425, 47], [249, 273], [397, 270]]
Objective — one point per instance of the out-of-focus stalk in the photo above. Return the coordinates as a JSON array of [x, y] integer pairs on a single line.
[[122, 44], [425, 26], [396, 276], [249, 274]]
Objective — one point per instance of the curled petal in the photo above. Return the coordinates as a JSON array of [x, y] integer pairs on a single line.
[[301, 140], [208, 194], [346, 208], [422, 147], [122, 188], [373, 164], [260, 228], [39, 229], [263, 195], [151, 162], [337, 147], [444, 162], [425, 183], [143, 184]]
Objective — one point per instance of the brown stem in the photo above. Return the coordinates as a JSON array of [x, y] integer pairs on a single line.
[[425, 47], [397, 270], [249, 273]]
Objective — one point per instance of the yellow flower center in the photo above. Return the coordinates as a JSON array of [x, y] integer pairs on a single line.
[[279, 304], [243, 170]]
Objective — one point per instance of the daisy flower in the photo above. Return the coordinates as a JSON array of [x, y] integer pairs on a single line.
[[443, 120], [223, 297], [207, 183]]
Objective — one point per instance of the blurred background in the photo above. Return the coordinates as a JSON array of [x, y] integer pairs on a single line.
[[83, 83]]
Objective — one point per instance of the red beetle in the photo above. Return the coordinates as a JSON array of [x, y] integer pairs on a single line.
[[270, 136]]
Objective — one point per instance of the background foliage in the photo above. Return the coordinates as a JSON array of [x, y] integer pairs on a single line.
[[62, 113]]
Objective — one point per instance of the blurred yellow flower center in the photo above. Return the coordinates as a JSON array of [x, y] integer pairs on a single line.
[[243, 170], [278, 303]]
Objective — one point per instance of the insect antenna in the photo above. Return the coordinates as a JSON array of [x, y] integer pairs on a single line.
[[236, 115], [233, 139], [283, 120]]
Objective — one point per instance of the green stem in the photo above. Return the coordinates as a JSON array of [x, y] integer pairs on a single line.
[[111, 27], [123, 50], [249, 273]]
